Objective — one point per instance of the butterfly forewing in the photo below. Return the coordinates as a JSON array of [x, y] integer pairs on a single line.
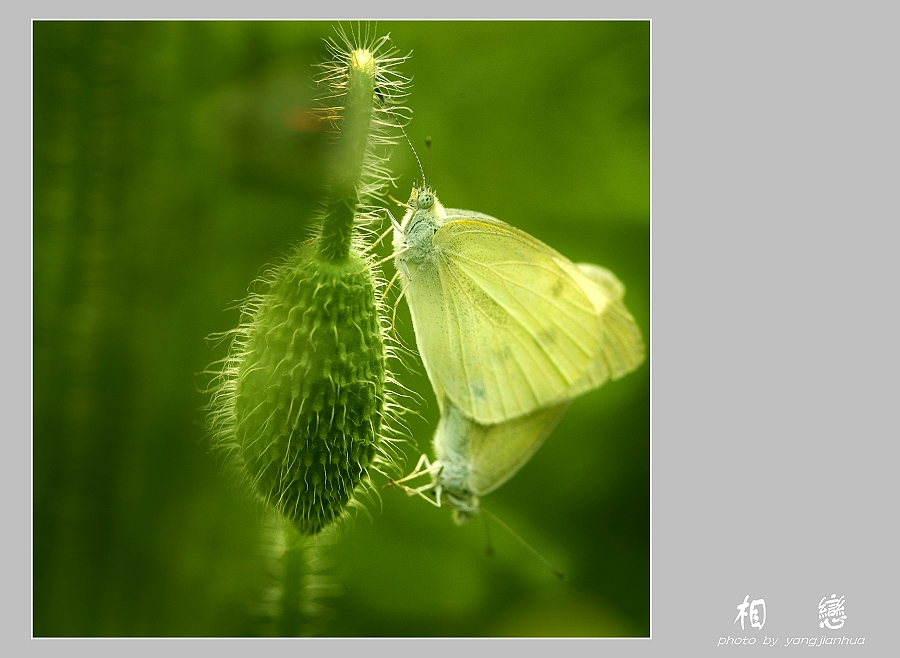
[[520, 323]]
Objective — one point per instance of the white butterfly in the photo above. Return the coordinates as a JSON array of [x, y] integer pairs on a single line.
[[509, 331], [473, 459]]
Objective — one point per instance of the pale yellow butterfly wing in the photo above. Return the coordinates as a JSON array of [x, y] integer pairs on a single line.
[[506, 325], [622, 345], [491, 454]]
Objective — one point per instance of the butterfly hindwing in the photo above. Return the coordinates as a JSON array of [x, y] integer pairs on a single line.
[[486, 456], [499, 451], [622, 347]]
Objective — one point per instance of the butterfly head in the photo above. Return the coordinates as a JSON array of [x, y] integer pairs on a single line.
[[425, 199], [412, 238], [423, 207], [422, 198]]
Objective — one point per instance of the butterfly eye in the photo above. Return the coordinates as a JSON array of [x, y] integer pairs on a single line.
[[425, 200]]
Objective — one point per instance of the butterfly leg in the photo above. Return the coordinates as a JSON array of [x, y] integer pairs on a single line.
[[403, 267], [437, 494], [423, 467], [394, 222], [421, 492], [381, 237]]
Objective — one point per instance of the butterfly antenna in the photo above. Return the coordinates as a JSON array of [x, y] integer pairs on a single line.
[[487, 533], [556, 572], [421, 171], [428, 148]]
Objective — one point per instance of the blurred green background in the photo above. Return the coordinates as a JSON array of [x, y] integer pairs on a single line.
[[173, 161]]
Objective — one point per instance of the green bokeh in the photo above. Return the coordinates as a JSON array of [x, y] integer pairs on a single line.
[[172, 162]]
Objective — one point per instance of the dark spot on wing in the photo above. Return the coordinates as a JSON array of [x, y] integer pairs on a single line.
[[547, 336], [557, 287]]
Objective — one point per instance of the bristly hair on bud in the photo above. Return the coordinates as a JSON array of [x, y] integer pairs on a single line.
[[305, 403], [361, 166]]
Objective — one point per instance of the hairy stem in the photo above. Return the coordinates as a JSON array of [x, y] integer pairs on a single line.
[[347, 165]]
